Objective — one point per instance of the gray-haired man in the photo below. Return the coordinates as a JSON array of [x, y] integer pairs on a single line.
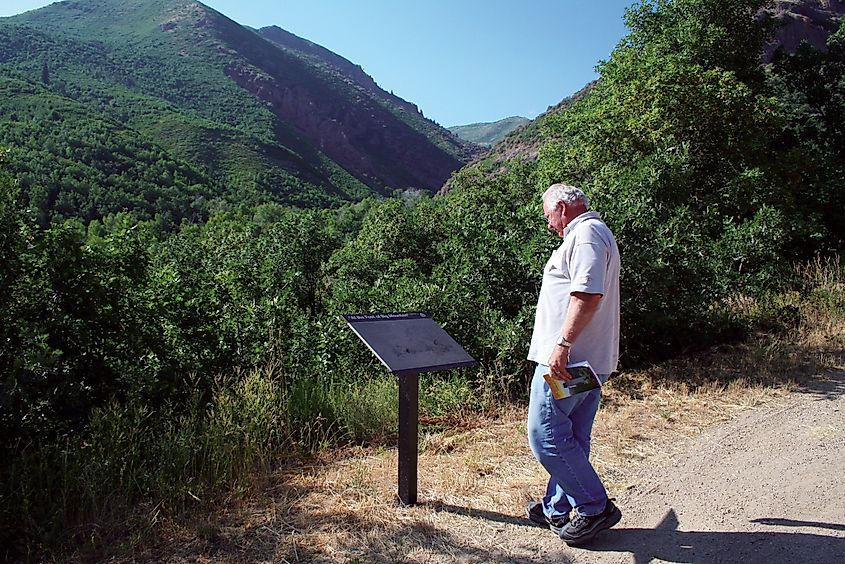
[[577, 319]]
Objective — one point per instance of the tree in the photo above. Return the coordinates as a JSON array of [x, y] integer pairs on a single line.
[[674, 146], [810, 85]]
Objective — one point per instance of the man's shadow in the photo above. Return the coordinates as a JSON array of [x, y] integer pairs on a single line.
[[665, 542]]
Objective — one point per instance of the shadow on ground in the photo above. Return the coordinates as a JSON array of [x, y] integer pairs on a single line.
[[817, 371], [666, 543], [481, 514], [829, 383]]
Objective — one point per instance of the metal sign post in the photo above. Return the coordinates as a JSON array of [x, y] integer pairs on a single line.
[[408, 344], [409, 389]]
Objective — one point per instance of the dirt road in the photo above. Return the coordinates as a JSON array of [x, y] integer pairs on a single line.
[[768, 486]]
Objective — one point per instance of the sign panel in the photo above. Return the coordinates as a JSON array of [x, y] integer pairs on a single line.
[[408, 343]]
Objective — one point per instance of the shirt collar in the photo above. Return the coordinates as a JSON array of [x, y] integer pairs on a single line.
[[584, 216]]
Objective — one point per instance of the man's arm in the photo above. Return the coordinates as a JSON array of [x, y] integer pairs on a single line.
[[582, 306]]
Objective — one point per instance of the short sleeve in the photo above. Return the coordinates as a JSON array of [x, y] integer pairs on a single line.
[[588, 268]]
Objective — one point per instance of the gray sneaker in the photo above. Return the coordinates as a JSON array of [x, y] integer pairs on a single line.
[[583, 528], [537, 516]]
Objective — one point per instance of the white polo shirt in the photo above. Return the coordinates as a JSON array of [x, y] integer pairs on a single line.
[[587, 261]]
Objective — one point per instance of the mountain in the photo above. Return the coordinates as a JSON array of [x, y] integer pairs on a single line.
[[232, 114], [488, 134], [522, 143]]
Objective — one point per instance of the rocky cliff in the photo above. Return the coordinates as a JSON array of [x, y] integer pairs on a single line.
[[804, 20]]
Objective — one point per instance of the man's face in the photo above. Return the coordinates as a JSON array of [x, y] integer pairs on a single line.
[[555, 216]]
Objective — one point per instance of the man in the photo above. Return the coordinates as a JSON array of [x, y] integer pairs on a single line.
[[577, 319]]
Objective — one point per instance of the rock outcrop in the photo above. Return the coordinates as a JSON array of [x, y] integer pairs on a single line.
[[805, 20]]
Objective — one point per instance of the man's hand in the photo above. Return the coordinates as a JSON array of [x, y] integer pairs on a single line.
[[582, 306], [558, 362]]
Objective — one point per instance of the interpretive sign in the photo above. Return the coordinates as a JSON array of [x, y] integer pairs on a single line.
[[407, 344]]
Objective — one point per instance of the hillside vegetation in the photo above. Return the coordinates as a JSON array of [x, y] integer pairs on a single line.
[[257, 116], [152, 369], [795, 22]]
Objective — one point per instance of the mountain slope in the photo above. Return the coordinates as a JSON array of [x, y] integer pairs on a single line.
[[73, 162], [488, 134], [522, 143], [341, 69], [804, 20], [263, 120]]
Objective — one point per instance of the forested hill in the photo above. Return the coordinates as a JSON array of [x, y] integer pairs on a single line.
[[488, 133], [219, 113]]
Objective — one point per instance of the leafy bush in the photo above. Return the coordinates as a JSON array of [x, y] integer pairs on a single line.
[[680, 146]]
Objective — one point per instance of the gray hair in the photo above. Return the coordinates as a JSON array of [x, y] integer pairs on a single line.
[[567, 194]]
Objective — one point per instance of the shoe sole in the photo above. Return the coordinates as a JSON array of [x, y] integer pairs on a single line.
[[611, 520]]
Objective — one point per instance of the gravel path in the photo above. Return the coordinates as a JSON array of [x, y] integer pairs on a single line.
[[767, 486]]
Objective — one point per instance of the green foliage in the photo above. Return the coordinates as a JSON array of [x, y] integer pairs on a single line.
[[13, 240], [705, 33], [679, 145], [161, 360], [809, 85], [72, 329], [71, 163]]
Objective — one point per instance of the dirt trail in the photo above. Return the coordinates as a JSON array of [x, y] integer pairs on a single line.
[[767, 486]]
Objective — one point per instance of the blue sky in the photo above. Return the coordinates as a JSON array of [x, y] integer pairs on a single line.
[[460, 61]]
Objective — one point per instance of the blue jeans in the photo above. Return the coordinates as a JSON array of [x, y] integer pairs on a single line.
[[559, 435]]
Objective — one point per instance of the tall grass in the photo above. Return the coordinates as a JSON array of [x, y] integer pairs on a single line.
[[134, 461], [823, 307]]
